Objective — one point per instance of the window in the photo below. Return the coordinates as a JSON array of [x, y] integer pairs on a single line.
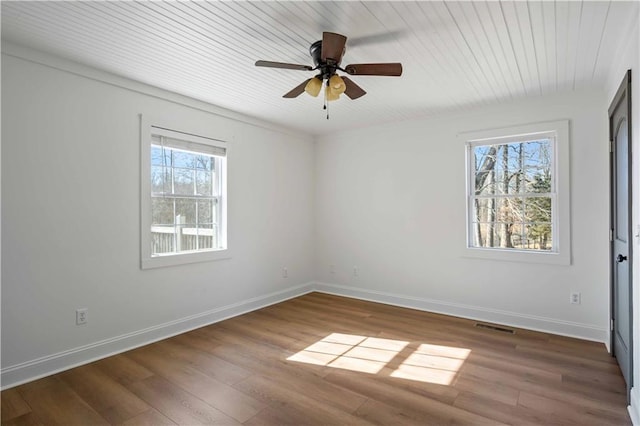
[[514, 181], [184, 198]]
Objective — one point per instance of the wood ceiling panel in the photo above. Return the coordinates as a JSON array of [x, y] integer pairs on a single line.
[[455, 55]]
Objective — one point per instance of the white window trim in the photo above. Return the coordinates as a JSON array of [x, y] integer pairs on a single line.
[[147, 261], [562, 211]]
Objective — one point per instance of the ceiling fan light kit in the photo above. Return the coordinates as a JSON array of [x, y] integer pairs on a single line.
[[327, 55], [337, 84], [313, 87]]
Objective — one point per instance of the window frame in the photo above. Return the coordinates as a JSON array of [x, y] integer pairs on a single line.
[[558, 131], [149, 127]]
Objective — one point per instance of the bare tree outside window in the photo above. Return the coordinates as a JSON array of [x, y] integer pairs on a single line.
[[513, 194]]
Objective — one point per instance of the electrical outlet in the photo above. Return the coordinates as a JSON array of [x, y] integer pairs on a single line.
[[332, 268], [81, 316], [574, 298], [356, 271], [285, 273]]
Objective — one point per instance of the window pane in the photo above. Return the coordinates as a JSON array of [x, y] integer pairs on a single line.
[[499, 169], [539, 236], [538, 209], [537, 155], [162, 240], [539, 184], [512, 164], [204, 184], [184, 159], [538, 217], [183, 181], [162, 211], [484, 159], [157, 158], [484, 210], [537, 161], [186, 211], [205, 212], [160, 180], [204, 162], [207, 237]]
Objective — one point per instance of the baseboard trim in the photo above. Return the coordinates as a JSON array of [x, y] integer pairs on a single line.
[[32, 370], [514, 319], [45, 366], [634, 407]]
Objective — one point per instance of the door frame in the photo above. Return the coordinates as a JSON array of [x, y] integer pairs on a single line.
[[623, 90]]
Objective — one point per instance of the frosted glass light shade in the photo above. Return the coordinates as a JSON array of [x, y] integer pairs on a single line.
[[337, 84], [332, 95], [313, 87]]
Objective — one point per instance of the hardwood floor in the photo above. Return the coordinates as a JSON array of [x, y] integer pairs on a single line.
[[323, 359]]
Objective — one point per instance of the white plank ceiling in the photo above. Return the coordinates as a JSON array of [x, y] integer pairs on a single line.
[[456, 55]]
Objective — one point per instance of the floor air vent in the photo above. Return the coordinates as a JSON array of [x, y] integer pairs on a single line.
[[495, 328]]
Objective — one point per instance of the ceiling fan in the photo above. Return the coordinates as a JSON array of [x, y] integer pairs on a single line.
[[327, 55]]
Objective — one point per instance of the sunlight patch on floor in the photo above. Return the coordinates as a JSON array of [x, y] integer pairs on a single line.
[[395, 358]]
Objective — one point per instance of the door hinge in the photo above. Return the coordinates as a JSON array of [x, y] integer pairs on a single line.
[[611, 325], [611, 146], [610, 235]]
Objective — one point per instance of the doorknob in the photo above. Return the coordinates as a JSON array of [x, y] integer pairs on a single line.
[[621, 258]]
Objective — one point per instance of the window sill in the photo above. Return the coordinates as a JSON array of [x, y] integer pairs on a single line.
[[185, 258], [523, 256]]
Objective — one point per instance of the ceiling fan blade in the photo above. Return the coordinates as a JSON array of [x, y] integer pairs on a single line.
[[393, 69], [333, 46], [283, 65], [296, 91], [352, 90]]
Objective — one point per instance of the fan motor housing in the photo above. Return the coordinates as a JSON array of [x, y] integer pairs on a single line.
[[316, 52], [326, 68]]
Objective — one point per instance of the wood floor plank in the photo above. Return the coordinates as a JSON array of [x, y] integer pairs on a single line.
[[485, 406], [56, 404], [13, 405], [286, 400], [321, 359], [178, 405], [494, 391], [149, 418], [28, 419], [123, 369], [433, 411], [193, 350], [383, 414], [574, 412], [215, 393], [112, 400]]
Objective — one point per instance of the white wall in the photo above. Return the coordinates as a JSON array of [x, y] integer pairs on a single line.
[[629, 58], [391, 201], [70, 219]]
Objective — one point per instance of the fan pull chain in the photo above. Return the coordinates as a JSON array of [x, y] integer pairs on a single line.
[[326, 100]]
